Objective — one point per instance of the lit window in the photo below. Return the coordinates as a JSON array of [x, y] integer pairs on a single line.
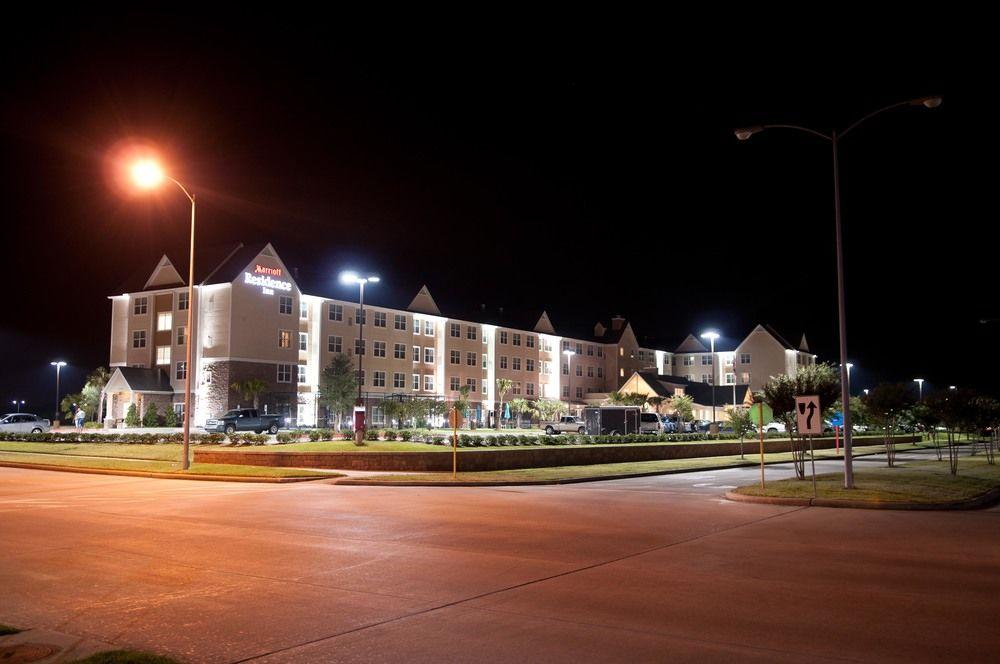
[[284, 339], [164, 321], [162, 355]]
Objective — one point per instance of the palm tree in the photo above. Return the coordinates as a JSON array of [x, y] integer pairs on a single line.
[[656, 402], [504, 386], [616, 398], [683, 406], [520, 407], [250, 389]]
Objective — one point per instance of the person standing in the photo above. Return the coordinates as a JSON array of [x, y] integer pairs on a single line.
[[78, 418]]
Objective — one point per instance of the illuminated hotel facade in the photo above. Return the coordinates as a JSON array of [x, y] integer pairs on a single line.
[[252, 322]]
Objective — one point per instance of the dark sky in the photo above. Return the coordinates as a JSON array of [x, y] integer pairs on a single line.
[[589, 175]]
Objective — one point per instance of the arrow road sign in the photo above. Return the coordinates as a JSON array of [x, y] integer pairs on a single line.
[[808, 416]]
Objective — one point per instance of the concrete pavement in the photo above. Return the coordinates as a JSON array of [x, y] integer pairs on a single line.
[[648, 569]]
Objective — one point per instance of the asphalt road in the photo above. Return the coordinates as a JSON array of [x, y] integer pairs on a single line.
[[650, 569]]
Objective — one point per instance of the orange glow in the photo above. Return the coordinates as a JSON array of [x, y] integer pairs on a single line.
[[147, 174]]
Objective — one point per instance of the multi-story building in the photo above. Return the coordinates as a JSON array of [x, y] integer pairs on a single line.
[[251, 321]]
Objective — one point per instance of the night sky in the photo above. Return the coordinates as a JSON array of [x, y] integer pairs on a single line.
[[590, 175]]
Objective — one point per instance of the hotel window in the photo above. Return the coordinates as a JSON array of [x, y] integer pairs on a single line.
[[746, 377], [359, 346], [181, 371], [456, 330], [164, 321], [470, 359], [162, 355], [579, 393], [399, 352], [730, 379], [416, 327], [529, 389], [302, 373], [454, 383], [181, 336], [546, 345], [456, 357], [399, 322], [284, 339], [728, 359], [361, 376], [378, 379], [579, 370], [303, 341], [139, 307], [380, 319], [470, 332], [484, 360], [688, 361], [529, 364], [429, 329], [590, 372], [471, 384], [335, 344], [517, 388], [516, 341], [621, 352], [579, 349], [547, 368], [482, 386], [705, 378], [503, 336], [600, 372], [517, 363], [428, 355], [673, 361], [336, 312], [565, 391], [416, 357], [590, 351], [529, 341], [284, 373], [706, 360], [565, 345], [416, 381], [284, 305], [503, 361], [744, 358], [429, 383], [600, 352], [565, 369], [303, 310], [398, 380], [359, 316], [182, 302], [378, 349]]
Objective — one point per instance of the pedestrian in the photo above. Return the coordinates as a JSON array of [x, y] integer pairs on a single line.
[[78, 418]]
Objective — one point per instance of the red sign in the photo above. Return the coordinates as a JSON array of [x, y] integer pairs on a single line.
[[270, 271]]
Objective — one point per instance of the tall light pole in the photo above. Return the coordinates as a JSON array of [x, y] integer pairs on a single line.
[[148, 174], [18, 407], [351, 278], [569, 378], [920, 387], [745, 133], [712, 336], [59, 364]]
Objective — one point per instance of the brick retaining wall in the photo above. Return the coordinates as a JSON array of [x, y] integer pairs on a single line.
[[471, 460]]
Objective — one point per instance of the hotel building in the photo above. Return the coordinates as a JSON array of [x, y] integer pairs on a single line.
[[252, 321]]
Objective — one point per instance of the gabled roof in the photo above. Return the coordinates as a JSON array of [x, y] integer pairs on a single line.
[[691, 344], [140, 380], [664, 385], [702, 393], [213, 265], [544, 325], [164, 276], [777, 337], [423, 303], [803, 344]]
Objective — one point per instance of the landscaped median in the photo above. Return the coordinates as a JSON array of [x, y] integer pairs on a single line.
[[916, 485]]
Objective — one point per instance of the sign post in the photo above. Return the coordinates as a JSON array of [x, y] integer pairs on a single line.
[[809, 422], [760, 429], [455, 421]]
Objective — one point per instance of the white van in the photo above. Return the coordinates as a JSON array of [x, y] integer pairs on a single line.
[[650, 423]]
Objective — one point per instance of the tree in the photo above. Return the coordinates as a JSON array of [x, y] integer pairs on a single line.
[[461, 402], [742, 422], [634, 399], [520, 407], [338, 387], [548, 409], [822, 380], [927, 420], [151, 418], [616, 398], [951, 410], [393, 409], [250, 389], [132, 416], [986, 417], [885, 404], [70, 403], [504, 386], [91, 393], [169, 417], [683, 405], [656, 402]]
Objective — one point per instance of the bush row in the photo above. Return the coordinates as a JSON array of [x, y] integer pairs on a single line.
[[119, 438]]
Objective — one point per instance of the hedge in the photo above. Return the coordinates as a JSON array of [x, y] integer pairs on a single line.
[[118, 438]]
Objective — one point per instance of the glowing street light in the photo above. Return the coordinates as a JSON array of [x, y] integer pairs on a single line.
[[16, 406], [920, 387], [744, 134], [59, 364], [349, 279], [148, 174], [569, 378], [712, 336]]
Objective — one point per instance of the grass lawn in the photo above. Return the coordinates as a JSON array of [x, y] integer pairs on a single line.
[[614, 469], [911, 482], [67, 460], [6, 629], [125, 657]]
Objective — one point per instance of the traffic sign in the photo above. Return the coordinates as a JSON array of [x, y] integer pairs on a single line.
[[808, 415], [837, 420]]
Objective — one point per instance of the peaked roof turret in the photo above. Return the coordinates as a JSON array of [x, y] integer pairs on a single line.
[[423, 303]]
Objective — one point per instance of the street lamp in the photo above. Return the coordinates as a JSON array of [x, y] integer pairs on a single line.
[[569, 378], [148, 174], [58, 365], [712, 336], [866, 391], [16, 406], [744, 134], [351, 278], [920, 387]]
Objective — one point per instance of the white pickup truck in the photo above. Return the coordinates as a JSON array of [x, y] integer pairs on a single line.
[[566, 424]]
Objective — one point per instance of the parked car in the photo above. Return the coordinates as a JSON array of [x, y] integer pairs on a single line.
[[650, 423], [773, 427], [566, 424], [244, 419], [669, 424], [24, 423]]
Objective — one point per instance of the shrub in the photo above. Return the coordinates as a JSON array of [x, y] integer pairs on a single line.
[[284, 438], [313, 435], [389, 434], [170, 417], [326, 434], [151, 418], [405, 435], [91, 425], [466, 440], [371, 434], [132, 416]]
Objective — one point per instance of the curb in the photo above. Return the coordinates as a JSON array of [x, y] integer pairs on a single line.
[[982, 500], [160, 476]]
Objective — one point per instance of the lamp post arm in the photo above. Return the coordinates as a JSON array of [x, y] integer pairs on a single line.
[[873, 114], [798, 128], [186, 192]]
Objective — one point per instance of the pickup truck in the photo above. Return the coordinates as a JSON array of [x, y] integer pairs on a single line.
[[566, 424], [244, 419]]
